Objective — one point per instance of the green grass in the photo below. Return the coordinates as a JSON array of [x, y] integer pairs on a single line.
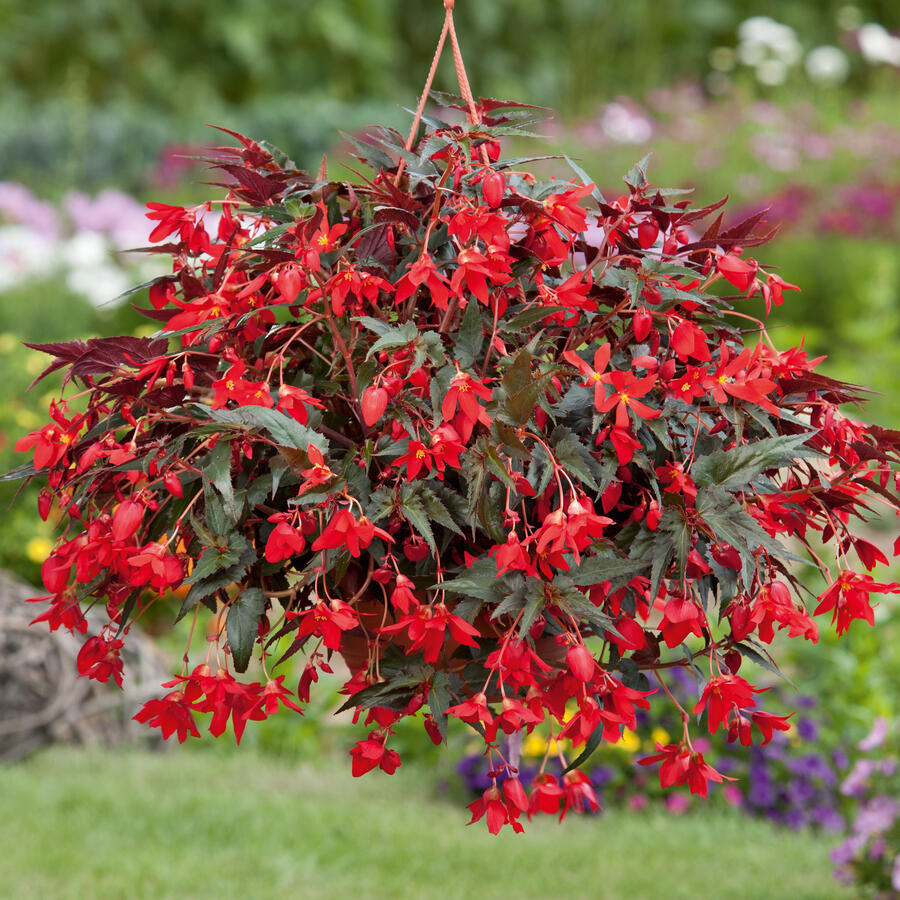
[[194, 825]]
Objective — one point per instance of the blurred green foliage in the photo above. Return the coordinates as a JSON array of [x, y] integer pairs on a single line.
[[84, 81], [171, 53]]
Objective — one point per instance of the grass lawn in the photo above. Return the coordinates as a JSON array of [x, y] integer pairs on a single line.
[[92, 824]]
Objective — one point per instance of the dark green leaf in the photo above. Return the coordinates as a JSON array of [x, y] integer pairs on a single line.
[[597, 569], [761, 659], [479, 580], [439, 701], [590, 745], [529, 317], [284, 430], [733, 469], [400, 336], [535, 598], [413, 510], [242, 625], [470, 336], [218, 471]]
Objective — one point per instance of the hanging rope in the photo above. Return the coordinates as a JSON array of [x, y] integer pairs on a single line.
[[462, 80]]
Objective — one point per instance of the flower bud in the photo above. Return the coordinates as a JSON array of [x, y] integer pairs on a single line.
[[493, 187]]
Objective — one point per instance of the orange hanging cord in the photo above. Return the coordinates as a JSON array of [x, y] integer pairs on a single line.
[[464, 89]]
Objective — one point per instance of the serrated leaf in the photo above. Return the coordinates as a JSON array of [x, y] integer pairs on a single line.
[[399, 336], [470, 336], [597, 569], [218, 471], [535, 599], [479, 580], [574, 456], [413, 510], [736, 468], [760, 659], [439, 701], [518, 374], [529, 317], [436, 510], [284, 430], [637, 174], [212, 560], [380, 328], [242, 625]]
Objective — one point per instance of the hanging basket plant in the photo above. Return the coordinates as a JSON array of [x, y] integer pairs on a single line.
[[493, 440]]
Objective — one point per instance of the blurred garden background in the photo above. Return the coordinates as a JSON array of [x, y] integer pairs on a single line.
[[790, 105]]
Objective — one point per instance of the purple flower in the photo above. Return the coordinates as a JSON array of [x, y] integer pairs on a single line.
[[875, 738], [807, 729], [876, 816], [602, 776], [827, 818], [856, 782], [20, 205], [895, 874], [812, 766]]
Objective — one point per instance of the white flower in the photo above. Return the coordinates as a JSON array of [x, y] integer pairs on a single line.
[[827, 65], [878, 45]]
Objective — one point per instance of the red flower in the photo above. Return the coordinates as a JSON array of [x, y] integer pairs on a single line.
[[327, 620], [64, 611], [741, 273], [403, 597], [154, 565], [625, 388], [563, 208], [680, 764], [445, 448], [499, 812], [371, 753], [416, 457], [172, 714], [318, 472], [99, 660], [464, 393], [476, 269], [474, 710], [721, 695], [546, 795], [294, 401], [50, 444], [426, 627], [681, 617], [349, 533], [284, 541], [848, 597], [578, 794], [593, 376], [424, 271], [273, 694]]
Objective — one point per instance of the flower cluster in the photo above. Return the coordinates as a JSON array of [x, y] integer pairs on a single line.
[[870, 854], [84, 239], [503, 445], [792, 780]]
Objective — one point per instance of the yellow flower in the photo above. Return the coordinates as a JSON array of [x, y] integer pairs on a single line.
[[629, 742], [534, 745], [38, 549], [660, 736]]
